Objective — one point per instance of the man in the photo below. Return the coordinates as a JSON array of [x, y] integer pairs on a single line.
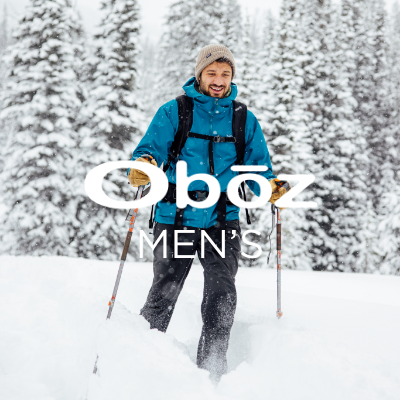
[[212, 92]]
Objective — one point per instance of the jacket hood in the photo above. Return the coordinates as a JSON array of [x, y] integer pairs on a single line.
[[190, 90]]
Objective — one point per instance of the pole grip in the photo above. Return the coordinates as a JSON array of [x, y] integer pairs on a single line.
[[126, 246], [278, 236]]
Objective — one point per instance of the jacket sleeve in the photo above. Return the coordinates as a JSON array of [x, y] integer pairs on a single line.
[[159, 136], [256, 152]]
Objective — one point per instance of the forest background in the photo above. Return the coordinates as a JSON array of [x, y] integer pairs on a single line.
[[323, 79]]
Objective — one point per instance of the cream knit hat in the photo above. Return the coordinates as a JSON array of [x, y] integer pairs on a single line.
[[209, 54]]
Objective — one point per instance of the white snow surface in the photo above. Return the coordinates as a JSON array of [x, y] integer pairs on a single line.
[[338, 337]]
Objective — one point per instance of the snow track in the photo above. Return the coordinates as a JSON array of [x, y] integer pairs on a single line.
[[338, 338]]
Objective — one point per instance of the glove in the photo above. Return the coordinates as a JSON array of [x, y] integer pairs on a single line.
[[279, 188], [137, 177]]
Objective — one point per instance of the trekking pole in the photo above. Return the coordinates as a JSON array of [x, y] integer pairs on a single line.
[[279, 312], [132, 214]]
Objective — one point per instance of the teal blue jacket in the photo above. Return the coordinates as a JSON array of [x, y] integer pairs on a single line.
[[211, 116]]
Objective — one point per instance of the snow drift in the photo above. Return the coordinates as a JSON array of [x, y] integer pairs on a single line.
[[338, 338]]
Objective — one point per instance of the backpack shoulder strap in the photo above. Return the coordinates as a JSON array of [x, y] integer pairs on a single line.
[[185, 113], [239, 129], [239, 133]]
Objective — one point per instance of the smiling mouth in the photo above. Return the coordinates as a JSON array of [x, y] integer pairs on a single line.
[[217, 89]]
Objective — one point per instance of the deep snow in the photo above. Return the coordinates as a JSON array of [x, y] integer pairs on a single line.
[[338, 338]]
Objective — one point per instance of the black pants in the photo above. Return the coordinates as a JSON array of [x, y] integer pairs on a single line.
[[219, 297]]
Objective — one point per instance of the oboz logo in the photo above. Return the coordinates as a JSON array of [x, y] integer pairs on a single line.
[[159, 187]]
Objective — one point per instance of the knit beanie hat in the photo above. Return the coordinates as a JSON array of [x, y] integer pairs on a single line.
[[209, 54]]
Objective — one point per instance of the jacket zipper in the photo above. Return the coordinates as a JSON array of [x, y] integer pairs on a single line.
[[210, 133]]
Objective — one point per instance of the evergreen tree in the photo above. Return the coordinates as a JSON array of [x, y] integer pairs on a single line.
[[112, 126], [287, 123], [4, 33], [352, 36], [269, 36], [393, 37], [376, 110], [266, 58], [248, 68], [147, 74], [247, 78], [4, 42], [389, 224], [370, 89], [337, 145], [41, 101], [369, 86], [189, 26], [394, 78], [283, 118], [231, 32], [389, 228]]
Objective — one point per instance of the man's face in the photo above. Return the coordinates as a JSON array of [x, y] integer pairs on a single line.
[[215, 80]]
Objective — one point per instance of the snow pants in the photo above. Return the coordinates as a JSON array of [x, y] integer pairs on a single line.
[[219, 296]]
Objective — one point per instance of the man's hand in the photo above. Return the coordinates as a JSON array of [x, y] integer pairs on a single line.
[[137, 177], [279, 188]]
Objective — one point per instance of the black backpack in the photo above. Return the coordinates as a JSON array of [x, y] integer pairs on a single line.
[[185, 112]]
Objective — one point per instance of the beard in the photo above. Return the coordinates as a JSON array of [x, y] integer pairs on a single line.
[[206, 89]]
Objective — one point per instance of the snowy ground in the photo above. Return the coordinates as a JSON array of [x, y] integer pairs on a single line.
[[338, 338]]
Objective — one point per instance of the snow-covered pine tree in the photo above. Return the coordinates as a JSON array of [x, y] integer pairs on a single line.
[[41, 101], [147, 74], [4, 32], [248, 66], [389, 211], [257, 78], [4, 42], [389, 229], [283, 118], [249, 75], [350, 36], [370, 89], [393, 37], [113, 125], [267, 58], [189, 26], [174, 55], [337, 145], [269, 35], [206, 24], [369, 86], [231, 32], [377, 116]]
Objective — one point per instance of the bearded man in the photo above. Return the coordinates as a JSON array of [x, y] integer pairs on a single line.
[[214, 132]]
